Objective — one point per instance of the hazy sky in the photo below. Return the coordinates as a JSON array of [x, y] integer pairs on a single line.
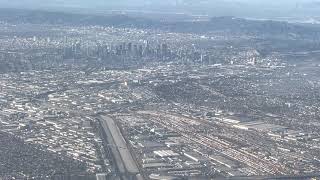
[[211, 7]]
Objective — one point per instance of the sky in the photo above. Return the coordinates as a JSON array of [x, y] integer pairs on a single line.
[[249, 8]]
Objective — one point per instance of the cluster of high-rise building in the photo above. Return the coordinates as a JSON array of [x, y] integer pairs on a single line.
[[110, 47], [125, 50]]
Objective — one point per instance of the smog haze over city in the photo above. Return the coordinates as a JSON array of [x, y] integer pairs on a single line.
[[159, 89], [239, 8]]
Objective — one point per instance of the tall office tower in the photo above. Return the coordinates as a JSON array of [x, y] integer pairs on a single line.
[[73, 49], [124, 49], [112, 49], [77, 48], [140, 51], [135, 50], [118, 50], [106, 51], [64, 45], [100, 50], [158, 51], [129, 48], [164, 50], [121, 49], [206, 59], [146, 50]]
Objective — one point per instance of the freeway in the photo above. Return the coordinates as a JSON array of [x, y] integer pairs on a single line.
[[126, 165]]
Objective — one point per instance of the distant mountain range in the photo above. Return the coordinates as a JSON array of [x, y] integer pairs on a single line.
[[239, 8], [270, 29]]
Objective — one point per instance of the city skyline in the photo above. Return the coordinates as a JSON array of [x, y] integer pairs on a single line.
[[120, 93]]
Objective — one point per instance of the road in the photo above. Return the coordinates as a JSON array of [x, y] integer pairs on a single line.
[[126, 166]]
